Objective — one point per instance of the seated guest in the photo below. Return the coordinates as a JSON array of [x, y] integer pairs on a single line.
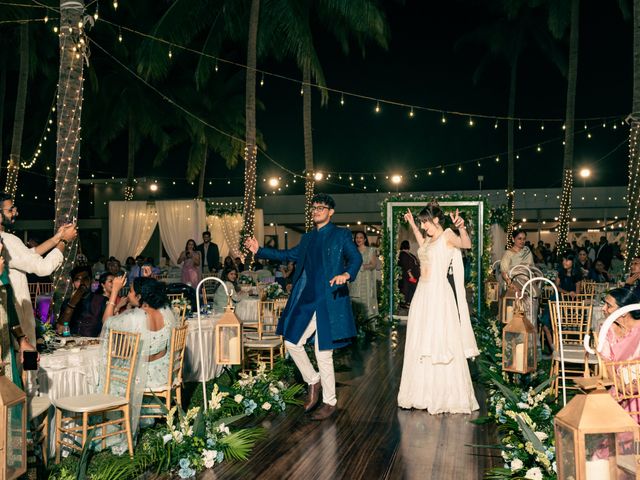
[[99, 266], [632, 282], [623, 338], [84, 310], [136, 269], [105, 288], [569, 279], [230, 279], [149, 262], [239, 264], [129, 263], [584, 264], [599, 272], [114, 266], [153, 319]]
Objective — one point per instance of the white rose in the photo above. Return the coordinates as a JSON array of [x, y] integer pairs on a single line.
[[166, 438], [266, 406], [541, 436], [516, 464], [238, 398], [523, 406], [533, 474]]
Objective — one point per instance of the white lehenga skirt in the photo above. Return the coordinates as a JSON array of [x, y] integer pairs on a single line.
[[435, 373]]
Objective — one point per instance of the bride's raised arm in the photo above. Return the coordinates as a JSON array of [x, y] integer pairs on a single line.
[[408, 217], [462, 241]]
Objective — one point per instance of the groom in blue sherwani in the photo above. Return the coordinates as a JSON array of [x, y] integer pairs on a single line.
[[326, 260]]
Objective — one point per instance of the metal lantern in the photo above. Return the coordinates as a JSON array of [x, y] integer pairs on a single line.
[[596, 439], [519, 347], [228, 338], [13, 430], [508, 305], [491, 290]]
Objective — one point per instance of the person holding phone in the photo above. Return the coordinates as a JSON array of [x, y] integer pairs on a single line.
[[190, 259], [22, 260], [12, 339]]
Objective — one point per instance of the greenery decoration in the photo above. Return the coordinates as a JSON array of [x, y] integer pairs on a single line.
[[397, 216], [500, 215]]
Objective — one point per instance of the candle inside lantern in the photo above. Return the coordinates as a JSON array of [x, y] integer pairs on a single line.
[[518, 358], [509, 313], [598, 470], [234, 350]]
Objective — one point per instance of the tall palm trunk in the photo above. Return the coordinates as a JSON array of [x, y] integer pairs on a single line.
[[69, 108], [129, 189], [567, 166], [511, 193], [203, 172], [250, 148], [633, 193], [18, 120], [309, 182]]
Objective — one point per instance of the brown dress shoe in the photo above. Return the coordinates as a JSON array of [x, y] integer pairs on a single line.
[[313, 396], [325, 411]]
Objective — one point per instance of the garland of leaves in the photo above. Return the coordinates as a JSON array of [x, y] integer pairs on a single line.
[[397, 217], [500, 215]]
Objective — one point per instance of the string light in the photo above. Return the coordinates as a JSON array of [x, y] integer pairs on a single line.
[[633, 193], [377, 109], [342, 99], [262, 80], [411, 113], [444, 119], [470, 121]]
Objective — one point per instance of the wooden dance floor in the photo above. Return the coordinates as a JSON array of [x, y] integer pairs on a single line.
[[369, 437]]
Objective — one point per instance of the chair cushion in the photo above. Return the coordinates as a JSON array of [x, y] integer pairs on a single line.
[[37, 406], [253, 336], [264, 343], [89, 403], [574, 355]]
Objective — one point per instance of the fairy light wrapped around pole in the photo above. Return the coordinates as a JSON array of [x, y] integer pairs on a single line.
[[633, 192], [73, 54]]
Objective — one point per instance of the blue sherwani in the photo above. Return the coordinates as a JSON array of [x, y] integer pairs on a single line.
[[321, 255]]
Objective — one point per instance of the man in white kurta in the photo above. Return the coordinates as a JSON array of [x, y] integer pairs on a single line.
[[23, 260]]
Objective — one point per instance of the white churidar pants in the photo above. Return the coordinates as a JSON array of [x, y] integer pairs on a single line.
[[324, 358]]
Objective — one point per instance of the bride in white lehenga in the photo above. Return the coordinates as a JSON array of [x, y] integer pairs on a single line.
[[435, 373]]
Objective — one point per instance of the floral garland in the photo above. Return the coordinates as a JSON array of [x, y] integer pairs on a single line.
[[398, 214], [274, 290], [246, 280], [500, 215]]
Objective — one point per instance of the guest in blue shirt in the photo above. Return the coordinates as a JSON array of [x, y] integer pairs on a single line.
[[326, 259]]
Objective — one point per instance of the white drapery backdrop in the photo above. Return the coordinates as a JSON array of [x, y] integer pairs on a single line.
[[225, 232], [131, 225], [180, 220], [499, 241]]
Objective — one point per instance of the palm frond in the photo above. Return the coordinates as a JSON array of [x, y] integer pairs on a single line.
[[239, 444]]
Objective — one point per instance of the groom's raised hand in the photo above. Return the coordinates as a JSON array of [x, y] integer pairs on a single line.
[[251, 244]]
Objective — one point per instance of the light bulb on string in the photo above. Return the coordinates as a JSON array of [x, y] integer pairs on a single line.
[[615, 126], [444, 119], [442, 171], [377, 109], [539, 148], [471, 121], [495, 125], [170, 54], [459, 168], [411, 113], [585, 125], [498, 159], [604, 124], [262, 80], [564, 127], [46, 18], [342, 99], [542, 126], [588, 134], [216, 66], [519, 125], [115, 5], [301, 89], [119, 35]]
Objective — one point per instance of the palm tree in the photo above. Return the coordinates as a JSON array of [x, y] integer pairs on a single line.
[[20, 109], [633, 192], [69, 109], [289, 33], [567, 174], [517, 26]]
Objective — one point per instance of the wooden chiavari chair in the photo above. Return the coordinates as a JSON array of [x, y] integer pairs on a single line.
[[34, 291], [45, 288], [174, 296], [122, 356], [174, 377], [264, 344], [576, 323]]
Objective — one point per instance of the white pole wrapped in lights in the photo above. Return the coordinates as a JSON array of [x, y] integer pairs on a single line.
[[559, 319], [234, 323]]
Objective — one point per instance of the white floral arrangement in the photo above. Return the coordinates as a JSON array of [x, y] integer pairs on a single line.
[[246, 280], [274, 290]]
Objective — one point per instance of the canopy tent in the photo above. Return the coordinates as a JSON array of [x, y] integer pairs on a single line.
[[131, 225]]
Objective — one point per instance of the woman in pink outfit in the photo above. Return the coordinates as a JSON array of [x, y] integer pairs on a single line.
[[190, 259], [623, 339]]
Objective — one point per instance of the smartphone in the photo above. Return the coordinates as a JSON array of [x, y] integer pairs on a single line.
[[30, 360]]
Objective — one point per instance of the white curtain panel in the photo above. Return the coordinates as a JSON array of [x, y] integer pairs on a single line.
[[180, 220], [499, 241], [225, 232], [131, 225]]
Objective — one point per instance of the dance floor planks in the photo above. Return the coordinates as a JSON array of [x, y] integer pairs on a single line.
[[369, 437]]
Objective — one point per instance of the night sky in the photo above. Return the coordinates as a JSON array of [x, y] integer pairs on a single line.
[[424, 66]]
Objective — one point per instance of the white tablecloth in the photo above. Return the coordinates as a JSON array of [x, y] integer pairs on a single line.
[[67, 373], [247, 309], [192, 365]]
